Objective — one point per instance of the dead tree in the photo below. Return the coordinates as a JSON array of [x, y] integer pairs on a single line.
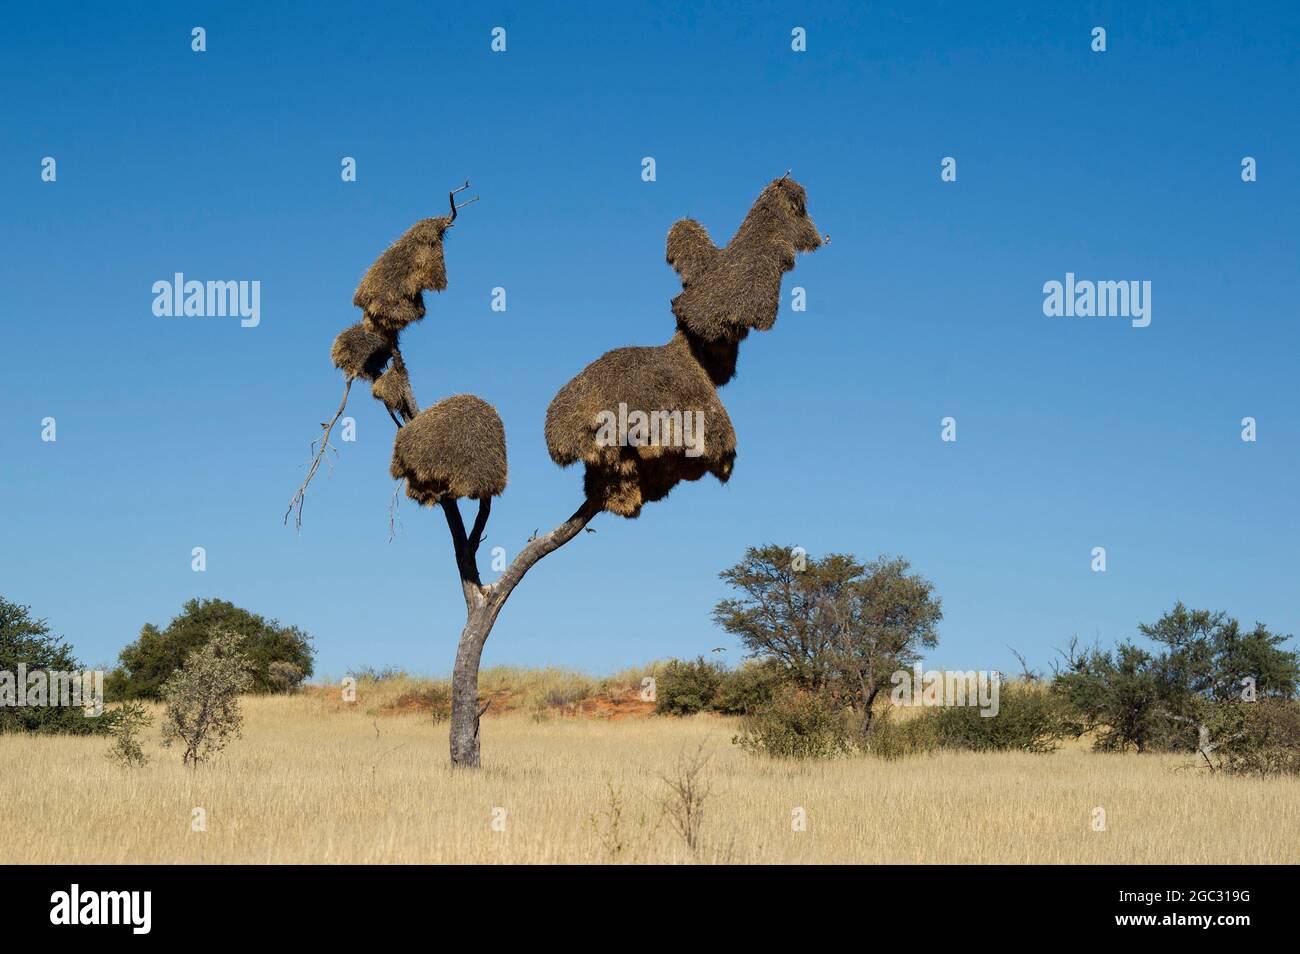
[[456, 448]]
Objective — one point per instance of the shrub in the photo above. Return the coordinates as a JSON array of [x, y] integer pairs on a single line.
[[748, 687], [129, 720], [26, 641], [1029, 719], [1126, 696], [283, 676], [151, 660], [796, 724], [1268, 742], [1118, 697], [202, 698], [376, 673], [686, 687], [688, 793], [894, 736]]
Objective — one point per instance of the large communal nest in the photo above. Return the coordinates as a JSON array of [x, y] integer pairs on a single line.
[[728, 291], [392, 291], [456, 448], [641, 420], [391, 296]]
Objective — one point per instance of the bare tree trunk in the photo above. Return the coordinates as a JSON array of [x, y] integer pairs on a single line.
[[482, 606], [465, 711], [868, 703], [1204, 746]]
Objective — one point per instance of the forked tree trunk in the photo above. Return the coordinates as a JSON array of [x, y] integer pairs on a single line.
[[482, 606]]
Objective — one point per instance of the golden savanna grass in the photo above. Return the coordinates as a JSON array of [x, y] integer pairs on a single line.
[[313, 781]]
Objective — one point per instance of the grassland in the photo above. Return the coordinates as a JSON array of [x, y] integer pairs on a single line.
[[317, 780]]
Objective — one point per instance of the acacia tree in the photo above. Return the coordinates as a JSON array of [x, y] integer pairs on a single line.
[[834, 624], [877, 625], [640, 419], [201, 699], [1173, 699]]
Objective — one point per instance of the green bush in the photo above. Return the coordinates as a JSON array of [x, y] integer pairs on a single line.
[[28, 642], [1029, 719], [748, 687], [1266, 740], [687, 687], [796, 724], [151, 660], [283, 676], [895, 737], [1126, 697], [129, 720]]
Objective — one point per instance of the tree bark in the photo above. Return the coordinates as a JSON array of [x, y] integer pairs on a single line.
[[465, 711], [482, 606], [868, 707]]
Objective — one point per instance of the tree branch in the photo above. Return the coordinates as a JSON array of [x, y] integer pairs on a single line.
[[300, 497], [539, 547], [452, 201], [465, 562], [480, 523], [1204, 746], [454, 522]]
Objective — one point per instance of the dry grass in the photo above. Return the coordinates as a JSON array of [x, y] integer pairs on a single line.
[[313, 782]]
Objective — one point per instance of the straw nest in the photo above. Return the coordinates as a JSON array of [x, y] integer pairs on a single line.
[[393, 387], [362, 352], [728, 291], [686, 431], [392, 291], [717, 358], [456, 448]]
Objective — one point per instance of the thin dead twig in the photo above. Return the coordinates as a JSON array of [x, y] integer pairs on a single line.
[[300, 497]]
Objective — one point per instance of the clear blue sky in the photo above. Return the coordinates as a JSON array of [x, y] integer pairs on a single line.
[[1072, 433]]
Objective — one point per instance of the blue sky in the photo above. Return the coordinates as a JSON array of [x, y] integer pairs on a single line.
[[1072, 432]]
